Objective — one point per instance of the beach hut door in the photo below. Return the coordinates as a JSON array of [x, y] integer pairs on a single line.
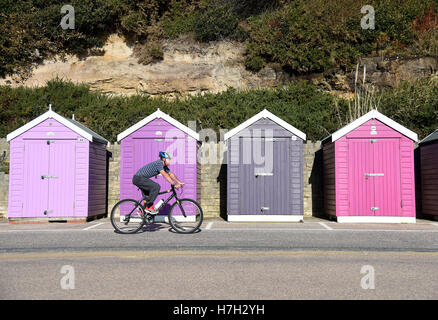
[[36, 188], [374, 177], [49, 178]]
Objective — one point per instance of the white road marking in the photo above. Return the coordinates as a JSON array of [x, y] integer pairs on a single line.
[[209, 225], [323, 230], [434, 224], [325, 226], [93, 226]]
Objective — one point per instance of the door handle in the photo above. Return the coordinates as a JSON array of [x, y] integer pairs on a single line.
[[374, 175], [48, 177], [264, 174]]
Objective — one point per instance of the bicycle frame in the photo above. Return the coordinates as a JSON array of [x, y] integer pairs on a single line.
[[173, 195]]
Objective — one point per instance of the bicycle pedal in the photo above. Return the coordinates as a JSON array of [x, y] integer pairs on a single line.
[[149, 218]]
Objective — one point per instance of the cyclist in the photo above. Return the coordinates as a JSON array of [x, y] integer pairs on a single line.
[[142, 179]]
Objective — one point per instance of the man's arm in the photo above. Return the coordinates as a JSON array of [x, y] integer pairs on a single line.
[[175, 178], [167, 177]]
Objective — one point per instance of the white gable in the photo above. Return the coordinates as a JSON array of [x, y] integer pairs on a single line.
[[265, 114], [374, 114], [53, 115], [155, 115]]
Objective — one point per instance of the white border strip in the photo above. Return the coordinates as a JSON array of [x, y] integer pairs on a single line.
[[264, 218], [265, 114], [374, 219]]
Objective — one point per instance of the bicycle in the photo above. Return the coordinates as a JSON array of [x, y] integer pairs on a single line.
[[129, 215]]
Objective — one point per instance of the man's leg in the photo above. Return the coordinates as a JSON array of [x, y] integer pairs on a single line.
[[147, 185]]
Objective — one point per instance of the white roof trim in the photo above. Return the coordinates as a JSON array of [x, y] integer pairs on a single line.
[[374, 114], [265, 114], [45, 116], [155, 115]]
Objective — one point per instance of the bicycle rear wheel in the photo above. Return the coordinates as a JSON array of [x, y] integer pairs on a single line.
[[185, 216], [127, 216]]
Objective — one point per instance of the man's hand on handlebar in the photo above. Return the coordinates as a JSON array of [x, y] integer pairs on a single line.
[[179, 185]]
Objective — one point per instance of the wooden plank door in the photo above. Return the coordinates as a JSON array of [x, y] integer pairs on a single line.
[[62, 179], [387, 183], [36, 166], [251, 184], [277, 186], [361, 186], [146, 151]]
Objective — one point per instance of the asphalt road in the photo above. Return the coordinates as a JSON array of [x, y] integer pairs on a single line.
[[313, 260], [221, 236]]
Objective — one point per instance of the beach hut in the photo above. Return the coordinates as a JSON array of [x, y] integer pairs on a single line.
[[429, 174], [141, 143], [369, 171], [265, 170], [58, 170]]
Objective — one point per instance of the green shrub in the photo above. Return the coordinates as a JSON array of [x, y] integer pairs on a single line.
[[151, 51], [254, 63], [214, 22], [315, 36], [413, 104], [303, 105], [180, 19]]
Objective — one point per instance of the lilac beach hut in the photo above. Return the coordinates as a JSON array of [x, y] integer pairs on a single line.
[[58, 170], [140, 145]]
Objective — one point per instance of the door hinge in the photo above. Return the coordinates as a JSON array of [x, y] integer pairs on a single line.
[[401, 203], [264, 208]]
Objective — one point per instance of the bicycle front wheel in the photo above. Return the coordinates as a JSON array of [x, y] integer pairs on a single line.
[[185, 216], [127, 216]]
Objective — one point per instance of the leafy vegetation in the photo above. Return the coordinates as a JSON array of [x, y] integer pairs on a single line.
[[316, 113], [301, 36]]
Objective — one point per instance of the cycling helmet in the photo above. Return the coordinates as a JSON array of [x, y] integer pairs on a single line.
[[164, 154]]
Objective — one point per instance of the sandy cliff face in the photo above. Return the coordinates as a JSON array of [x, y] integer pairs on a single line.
[[187, 67]]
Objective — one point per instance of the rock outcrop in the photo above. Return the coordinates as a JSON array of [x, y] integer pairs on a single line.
[[187, 67], [384, 73], [190, 67]]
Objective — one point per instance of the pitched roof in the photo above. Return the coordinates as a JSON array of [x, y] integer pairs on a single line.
[[153, 116], [430, 138], [373, 114], [265, 114], [69, 123]]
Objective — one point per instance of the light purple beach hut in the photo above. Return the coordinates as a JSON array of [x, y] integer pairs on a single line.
[[369, 171], [58, 170], [140, 145], [265, 170]]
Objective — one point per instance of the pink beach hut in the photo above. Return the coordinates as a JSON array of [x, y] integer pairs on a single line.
[[141, 143], [369, 171], [58, 170]]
